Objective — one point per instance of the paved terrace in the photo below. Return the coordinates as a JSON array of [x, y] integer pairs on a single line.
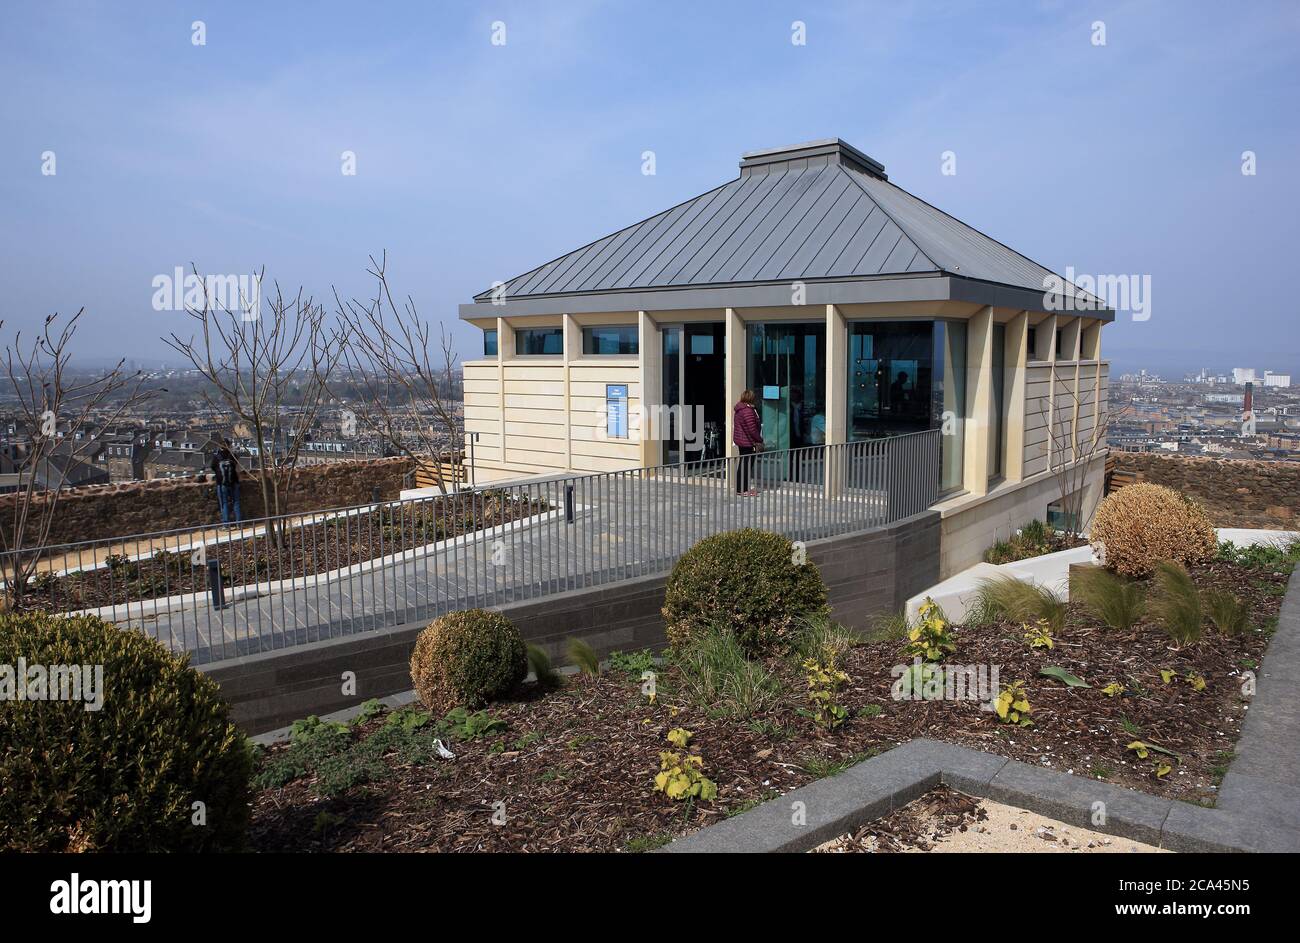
[[622, 528]]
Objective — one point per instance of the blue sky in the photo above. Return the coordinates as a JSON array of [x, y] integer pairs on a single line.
[[478, 161]]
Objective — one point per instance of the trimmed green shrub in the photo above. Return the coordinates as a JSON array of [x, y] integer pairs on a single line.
[[750, 581], [466, 659], [127, 776]]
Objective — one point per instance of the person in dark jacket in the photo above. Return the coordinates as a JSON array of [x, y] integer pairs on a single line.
[[225, 471], [747, 433]]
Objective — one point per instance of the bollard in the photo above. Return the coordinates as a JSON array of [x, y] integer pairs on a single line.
[[214, 584], [568, 504]]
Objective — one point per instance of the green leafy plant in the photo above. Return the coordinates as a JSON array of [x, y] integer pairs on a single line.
[[1228, 613], [1060, 674], [124, 777], [1040, 636], [464, 725], [1175, 604], [681, 775], [1114, 600], [1032, 540], [584, 656], [1145, 749], [825, 681], [715, 673], [931, 637], [1275, 555], [467, 659], [749, 582], [313, 728], [1005, 597], [367, 710], [1012, 705], [540, 664], [632, 664]]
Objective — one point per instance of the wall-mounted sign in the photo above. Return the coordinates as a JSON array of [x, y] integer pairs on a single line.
[[616, 410]]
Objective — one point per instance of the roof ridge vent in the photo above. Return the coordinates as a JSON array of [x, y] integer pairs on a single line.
[[811, 154]]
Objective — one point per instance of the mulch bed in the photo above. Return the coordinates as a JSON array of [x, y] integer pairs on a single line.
[[334, 543], [574, 767], [919, 824]]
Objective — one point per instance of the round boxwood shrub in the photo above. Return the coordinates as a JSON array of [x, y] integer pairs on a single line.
[[125, 777], [466, 659], [1139, 525], [749, 581]]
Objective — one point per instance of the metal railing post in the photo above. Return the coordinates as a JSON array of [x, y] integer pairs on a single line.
[[217, 591]]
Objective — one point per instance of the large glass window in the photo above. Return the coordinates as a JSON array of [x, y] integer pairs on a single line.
[[889, 377], [949, 399], [618, 339], [490, 342], [539, 340], [996, 433], [907, 376], [787, 372]]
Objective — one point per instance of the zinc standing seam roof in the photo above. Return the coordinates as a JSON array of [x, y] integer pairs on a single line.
[[826, 216]]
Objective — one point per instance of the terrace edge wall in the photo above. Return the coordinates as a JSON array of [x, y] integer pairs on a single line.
[[868, 573]]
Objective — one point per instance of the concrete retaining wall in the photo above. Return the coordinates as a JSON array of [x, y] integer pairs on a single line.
[[868, 574]]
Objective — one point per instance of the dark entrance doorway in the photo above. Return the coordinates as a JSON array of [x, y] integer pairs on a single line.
[[695, 392]]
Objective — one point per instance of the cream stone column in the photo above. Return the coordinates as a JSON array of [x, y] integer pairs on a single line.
[[735, 344], [572, 351], [735, 367], [1016, 356], [837, 397], [650, 356], [979, 401], [505, 350]]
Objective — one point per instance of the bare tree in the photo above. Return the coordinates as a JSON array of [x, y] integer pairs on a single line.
[[404, 386], [270, 372], [1070, 451], [48, 396]]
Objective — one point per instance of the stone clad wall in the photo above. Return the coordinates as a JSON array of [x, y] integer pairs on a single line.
[[141, 507], [1237, 493]]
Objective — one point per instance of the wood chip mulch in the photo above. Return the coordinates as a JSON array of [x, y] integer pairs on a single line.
[[919, 824], [574, 767]]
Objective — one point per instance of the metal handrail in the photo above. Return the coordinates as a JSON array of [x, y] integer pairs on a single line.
[[305, 576]]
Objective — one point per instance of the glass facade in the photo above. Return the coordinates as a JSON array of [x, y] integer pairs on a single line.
[[787, 372], [907, 376], [617, 339], [996, 432], [539, 340]]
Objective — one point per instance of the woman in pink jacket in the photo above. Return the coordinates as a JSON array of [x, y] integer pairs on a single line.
[[747, 433]]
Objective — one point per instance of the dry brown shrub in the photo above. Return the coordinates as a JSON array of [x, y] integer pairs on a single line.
[[1142, 524]]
